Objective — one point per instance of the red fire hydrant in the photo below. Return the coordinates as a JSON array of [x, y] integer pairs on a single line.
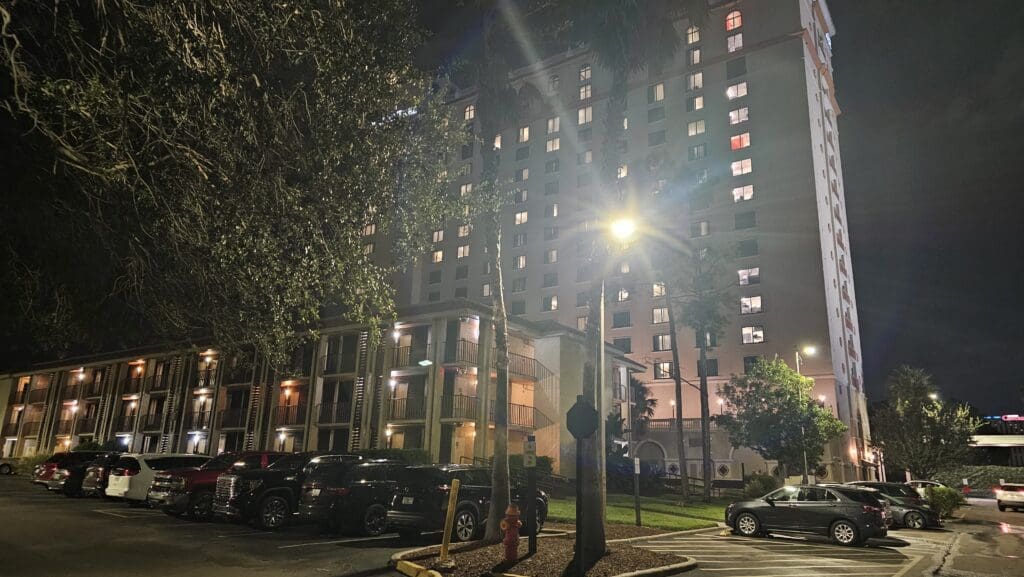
[[510, 525]]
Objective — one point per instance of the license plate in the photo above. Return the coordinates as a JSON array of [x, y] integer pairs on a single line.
[[407, 500], [314, 492]]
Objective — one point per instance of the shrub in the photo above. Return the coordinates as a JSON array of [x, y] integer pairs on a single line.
[[981, 478], [944, 500], [26, 465], [759, 484], [545, 464], [88, 446]]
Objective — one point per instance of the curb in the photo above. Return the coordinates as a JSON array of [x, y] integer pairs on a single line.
[[663, 535], [687, 565]]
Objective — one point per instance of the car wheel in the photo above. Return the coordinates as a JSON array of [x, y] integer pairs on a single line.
[[913, 520], [200, 506], [1001, 506], [273, 513], [171, 512], [845, 533], [465, 525], [748, 525], [6, 469], [375, 520], [408, 534]]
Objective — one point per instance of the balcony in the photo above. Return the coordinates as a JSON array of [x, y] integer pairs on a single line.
[[206, 379], [519, 415], [231, 418], [849, 324], [37, 395], [10, 429], [458, 407], [94, 389], [522, 365], [31, 428], [407, 408], [846, 294], [125, 423], [461, 351], [87, 425], [71, 392], [238, 375], [18, 397], [198, 420], [132, 385], [669, 425], [408, 356], [853, 351], [153, 421], [346, 363], [334, 413], [159, 382], [290, 415], [64, 426]]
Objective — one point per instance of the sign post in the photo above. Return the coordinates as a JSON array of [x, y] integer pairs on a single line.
[[636, 488], [582, 422], [530, 463], [449, 519]]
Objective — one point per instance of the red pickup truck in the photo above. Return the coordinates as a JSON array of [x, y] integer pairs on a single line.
[[190, 491]]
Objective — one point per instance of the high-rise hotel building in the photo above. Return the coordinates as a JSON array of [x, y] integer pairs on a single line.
[[735, 142]]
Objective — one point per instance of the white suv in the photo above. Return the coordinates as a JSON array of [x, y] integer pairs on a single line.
[[133, 473], [1010, 496]]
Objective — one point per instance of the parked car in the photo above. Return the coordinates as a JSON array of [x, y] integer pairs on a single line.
[[267, 498], [906, 506], [922, 486], [94, 480], [134, 472], [421, 500], [351, 495], [1010, 496], [847, 515], [43, 473], [8, 465], [70, 474], [190, 491]]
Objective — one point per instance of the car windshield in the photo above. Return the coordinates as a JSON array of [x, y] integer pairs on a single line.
[[168, 463], [295, 461], [860, 496], [900, 491], [222, 461], [1013, 487], [329, 473]]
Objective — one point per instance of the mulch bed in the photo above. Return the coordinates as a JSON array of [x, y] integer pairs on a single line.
[[611, 530], [553, 558]]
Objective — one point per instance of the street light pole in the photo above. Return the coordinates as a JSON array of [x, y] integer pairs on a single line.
[[803, 432]]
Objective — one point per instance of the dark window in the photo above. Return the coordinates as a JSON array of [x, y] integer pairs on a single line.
[[519, 239], [582, 274], [551, 166], [581, 299], [585, 135], [656, 114], [550, 232], [523, 153], [624, 344], [461, 292], [746, 220], [467, 150], [712, 340], [746, 247], [551, 187], [462, 271], [712, 368], [519, 284], [583, 180], [698, 151], [700, 201], [737, 67], [691, 103], [434, 296], [623, 146], [517, 308], [434, 277], [656, 138], [749, 362], [621, 319], [550, 279]]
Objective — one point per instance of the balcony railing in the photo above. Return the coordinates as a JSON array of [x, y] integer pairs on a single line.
[[853, 351], [669, 425], [519, 415], [334, 413], [37, 395], [290, 414], [198, 420], [230, 418], [31, 428], [19, 396], [158, 382], [10, 429], [93, 389], [71, 392], [206, 379], [237, 375], [64, 426], [408, 356], [345, 363], [407, 408], [153, 421], [125, 423], [519, 364], [133, 385], [86, 425], [461, 351], [458, 407]]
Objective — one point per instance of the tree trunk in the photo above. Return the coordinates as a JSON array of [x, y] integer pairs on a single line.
[[592, 476], [677, 376], [705, 417], [500, 486]]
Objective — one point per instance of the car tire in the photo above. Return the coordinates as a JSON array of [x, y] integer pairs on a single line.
[[914, 520], [747, 525], [406, 535], [6, 469], [200, 506], [375, 521], [465, 526], [171, 513], [1000, 506], [845, 533], [273, 513]]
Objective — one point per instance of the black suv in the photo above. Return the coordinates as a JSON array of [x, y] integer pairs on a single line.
[[69, 470], [94, 481], [351, 495], [907, 507], [268, 497], [420, 502], [848, 515]]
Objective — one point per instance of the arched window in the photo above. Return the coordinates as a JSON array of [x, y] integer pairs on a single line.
[[553, 83], [733, 20], [470, 112], [584, 73], [692, 35]]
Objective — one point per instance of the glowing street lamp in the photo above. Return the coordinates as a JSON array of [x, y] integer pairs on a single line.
[[623, 229], [933, 396], [810, 351]]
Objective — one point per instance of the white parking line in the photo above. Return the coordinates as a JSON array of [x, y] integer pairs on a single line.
[[339, 541], [244, 533], [127, 513]]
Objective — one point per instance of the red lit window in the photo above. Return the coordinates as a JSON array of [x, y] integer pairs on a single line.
[[733, 20], [740, 141]]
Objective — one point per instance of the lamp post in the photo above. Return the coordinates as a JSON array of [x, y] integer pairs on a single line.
[[809, 351]]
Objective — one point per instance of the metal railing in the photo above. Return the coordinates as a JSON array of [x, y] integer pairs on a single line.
[[333, 413], [132, 385], [407, 408], [70, 392], [408, 356], [31, 428], [159, 382], [458, 407], [290, 414], [521, 365], [153, 421], [237, 375], [461, 351], [10, 429], [518, 415], [199, 420], [126, 423], [666, 425], [64, 426], [37, 395], [86, 425], [206, 379], [93, 389], [231, 418]]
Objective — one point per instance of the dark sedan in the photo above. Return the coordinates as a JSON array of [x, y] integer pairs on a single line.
[[847, 515], [908, 508]]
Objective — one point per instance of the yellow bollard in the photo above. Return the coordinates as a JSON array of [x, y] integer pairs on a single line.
[[449, 520]]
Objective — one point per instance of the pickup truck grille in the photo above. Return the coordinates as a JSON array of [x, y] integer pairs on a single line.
[[227, 488]]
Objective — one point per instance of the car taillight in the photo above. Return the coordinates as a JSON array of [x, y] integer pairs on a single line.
[[872, 509], [124, 472]]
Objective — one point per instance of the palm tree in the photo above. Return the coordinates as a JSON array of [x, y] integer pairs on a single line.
[[643, 406]]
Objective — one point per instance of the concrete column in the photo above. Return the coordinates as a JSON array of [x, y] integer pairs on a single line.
[[483, 389]]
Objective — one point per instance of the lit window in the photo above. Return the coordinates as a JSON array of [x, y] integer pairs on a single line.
[[438, 236], [656, 93], [750, 305], [698, 151], [624, 267], [625, 123], [519, 239], [736, 91], [521, 217], [521, 194], [695, 81], [621, 319], [524, 134], [752, 335], [623, 294], [585, 115], [552, 144], [497, 142], [553, 124], [520, 262], [741, 167], [663, 370], [738, 116], [623, 171], [464, 230], [694, 103], [749, 276], [694, 128], [659, 315], [551, 303], [437, 256], [734, 42], [702, 176], [692, 35], [584, 73], [469, 113], [466, 189], [700, 228], [581, 323], [585, 92], [553, 83], [369, 229], [368, 248], [658, 289], [522, 174], [740, 141], [662, 342], [733, 20], [741, 193], [551, 210], [551, 256], [693, 56], [485, 289], [462, 251], [586, 157]]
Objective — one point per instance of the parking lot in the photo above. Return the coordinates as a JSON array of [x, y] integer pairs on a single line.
[[44, 534]]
